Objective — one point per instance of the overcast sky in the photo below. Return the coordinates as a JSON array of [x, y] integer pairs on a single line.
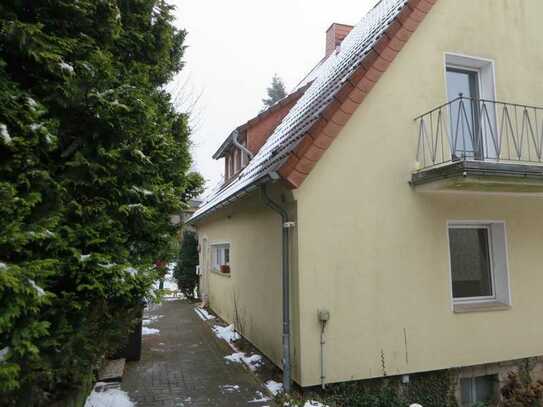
[[234, 49]]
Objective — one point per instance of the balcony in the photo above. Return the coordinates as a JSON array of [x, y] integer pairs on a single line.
[[481, 146]]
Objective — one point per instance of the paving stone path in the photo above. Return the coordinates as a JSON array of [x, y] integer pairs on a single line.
[[183, 365]]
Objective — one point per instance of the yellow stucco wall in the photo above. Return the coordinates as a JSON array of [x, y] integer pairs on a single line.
[[254, 234], [375, 253]]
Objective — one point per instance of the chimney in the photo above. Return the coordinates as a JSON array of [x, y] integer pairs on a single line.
[[335, 34]]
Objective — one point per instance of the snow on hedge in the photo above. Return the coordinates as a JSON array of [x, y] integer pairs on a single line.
[[4, 134], [36, 287]]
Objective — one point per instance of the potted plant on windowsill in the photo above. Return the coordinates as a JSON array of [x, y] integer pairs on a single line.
[[225, 269]]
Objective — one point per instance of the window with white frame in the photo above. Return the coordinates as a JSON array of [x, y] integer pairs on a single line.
[[478, 262], [478, 390], [220, 257]]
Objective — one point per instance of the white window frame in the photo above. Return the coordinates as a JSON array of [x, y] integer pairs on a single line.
[[486, 70], [499, 267], [215, 266]]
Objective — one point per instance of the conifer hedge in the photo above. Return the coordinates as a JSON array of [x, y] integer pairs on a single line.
[[93, 161]]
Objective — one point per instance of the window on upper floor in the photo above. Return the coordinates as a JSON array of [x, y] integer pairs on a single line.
[[220, 257], [478, 264], [478, 390]]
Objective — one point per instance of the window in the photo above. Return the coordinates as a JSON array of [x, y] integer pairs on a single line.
[[470, 262], [480, 389], [478, 263], [220, 257], [464, 114], [470, 136]]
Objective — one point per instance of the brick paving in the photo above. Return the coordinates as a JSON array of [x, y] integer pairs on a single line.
[[183, 365]]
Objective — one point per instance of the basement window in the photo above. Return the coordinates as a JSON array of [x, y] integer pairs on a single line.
[[478, 390], [478, 266], [220, 257]]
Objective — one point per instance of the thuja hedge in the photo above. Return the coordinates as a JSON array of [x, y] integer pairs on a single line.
[[93, 160]]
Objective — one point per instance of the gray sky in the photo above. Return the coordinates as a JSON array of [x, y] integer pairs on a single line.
[[234, 49]]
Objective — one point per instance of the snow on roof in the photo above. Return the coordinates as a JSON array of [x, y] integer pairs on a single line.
[[329, 77]]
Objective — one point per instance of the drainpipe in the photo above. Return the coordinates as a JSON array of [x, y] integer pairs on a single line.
[[286, 294], [241, 146]]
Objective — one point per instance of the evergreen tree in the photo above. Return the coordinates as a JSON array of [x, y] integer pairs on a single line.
[[93, 160], [185, 270], [276, 91]]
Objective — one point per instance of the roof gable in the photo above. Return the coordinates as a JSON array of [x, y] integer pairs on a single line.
[[340, 85]]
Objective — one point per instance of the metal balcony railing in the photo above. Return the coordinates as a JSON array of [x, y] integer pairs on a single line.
[[479, 129]]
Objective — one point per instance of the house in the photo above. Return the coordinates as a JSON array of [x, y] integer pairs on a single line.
[[401, 196]]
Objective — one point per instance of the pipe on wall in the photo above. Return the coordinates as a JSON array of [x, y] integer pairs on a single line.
[[241, 146], [285, 224]]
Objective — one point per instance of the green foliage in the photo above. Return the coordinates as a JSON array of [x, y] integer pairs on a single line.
[[276, 91], [185, 269], [93, 160], [433, 389]]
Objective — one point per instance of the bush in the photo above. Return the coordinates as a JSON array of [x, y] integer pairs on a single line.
[[93, 160], [185, 269]]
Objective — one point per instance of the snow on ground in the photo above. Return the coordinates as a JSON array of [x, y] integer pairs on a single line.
[[253, 362], [149, 331], [107, 395], [229, 388], [203, 314], [226, 332], [151, 319], [274, 387], [260, 398]]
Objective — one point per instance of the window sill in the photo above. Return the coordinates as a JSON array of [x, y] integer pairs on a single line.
[[480, 307], [227, 275]]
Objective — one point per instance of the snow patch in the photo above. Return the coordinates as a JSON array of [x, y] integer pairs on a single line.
[[260, 398], [253, 362], [36, 287], [415, 405], [229, 388], [3, 266], [274, 387], [226, 332], [4, 134], [149, 331], [203, 314], [3, 353], [66, 67], [84, 257], [106, 265], [32, 103], [313, 403], [35, 126], [104, 396]]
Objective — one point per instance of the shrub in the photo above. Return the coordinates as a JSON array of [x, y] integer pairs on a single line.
[[93, 160], [185, 270]]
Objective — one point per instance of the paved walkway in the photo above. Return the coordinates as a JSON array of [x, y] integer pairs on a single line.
[[183, 365]]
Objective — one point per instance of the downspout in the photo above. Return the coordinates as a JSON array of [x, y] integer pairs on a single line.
[[241, 146], [286, 288]]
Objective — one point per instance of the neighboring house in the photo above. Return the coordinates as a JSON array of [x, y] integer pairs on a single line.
[[419, 234]]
